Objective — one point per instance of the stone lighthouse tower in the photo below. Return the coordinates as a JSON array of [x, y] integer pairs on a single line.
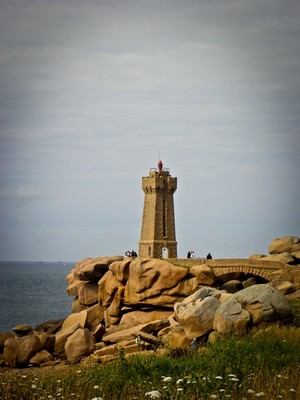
[[158, 237]]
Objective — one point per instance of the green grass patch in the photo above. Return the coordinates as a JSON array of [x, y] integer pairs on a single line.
[[266, 365], [295, 304]]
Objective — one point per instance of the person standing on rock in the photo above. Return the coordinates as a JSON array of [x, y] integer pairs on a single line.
[[138, 342], [209, 256]]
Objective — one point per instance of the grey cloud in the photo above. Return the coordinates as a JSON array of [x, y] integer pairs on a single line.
[[92, 91]]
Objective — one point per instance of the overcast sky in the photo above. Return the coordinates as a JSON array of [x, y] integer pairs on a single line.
[[93, 92]]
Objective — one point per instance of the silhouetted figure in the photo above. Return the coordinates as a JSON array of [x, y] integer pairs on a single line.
[[133, 254], [209, 257], [189, 254]]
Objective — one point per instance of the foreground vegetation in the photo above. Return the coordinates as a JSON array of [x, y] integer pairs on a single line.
[[265, 366]]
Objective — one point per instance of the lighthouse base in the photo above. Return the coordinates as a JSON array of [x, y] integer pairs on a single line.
[[158, 248]]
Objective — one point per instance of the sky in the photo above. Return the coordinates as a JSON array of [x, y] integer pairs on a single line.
[[93, 93]]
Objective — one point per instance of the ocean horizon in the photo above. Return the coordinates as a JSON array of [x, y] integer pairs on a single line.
[[33, 292]]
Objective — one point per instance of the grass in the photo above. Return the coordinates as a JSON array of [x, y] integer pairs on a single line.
[[295, 304], [263, 366]]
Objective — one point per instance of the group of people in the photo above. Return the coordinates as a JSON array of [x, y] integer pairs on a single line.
[[191, 254], [131, 254]]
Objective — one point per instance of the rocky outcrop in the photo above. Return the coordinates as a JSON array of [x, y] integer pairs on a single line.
[[153, 282], [283, 249], [196, 313], [41, 357], [133, 318], [18, 350], [81, 343], [254, 307], [286, 251], [61, 338], [166, 303], [285, 244], [250, 308], [75, 319], [92, 269]]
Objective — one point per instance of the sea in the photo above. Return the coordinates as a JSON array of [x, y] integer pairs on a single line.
[[33, 292]]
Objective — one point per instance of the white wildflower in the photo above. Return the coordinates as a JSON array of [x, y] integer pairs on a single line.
[[219, 377], [96, 387], [213, 396], [260, 394], [33, 386], [179, 381], [97, 398], [234, 379], [167, 379], [250, 391], [154, 394], [232, 375], [179, 389], [292, 390]]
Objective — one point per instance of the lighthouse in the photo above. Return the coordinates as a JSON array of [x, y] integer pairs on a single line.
[[158, 237]]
